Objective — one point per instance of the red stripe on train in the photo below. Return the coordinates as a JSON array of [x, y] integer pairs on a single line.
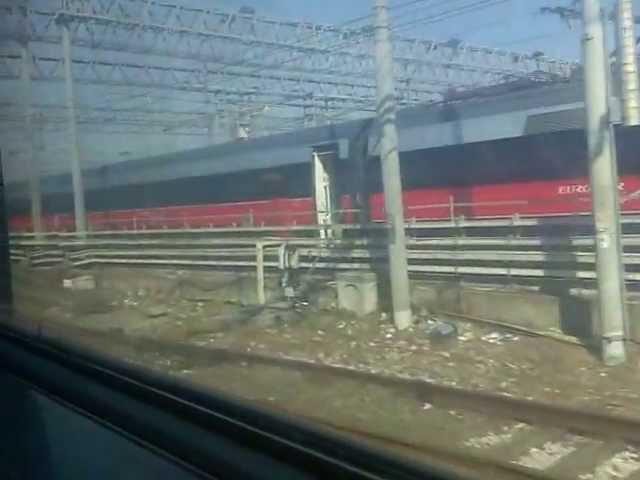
[[563, 197]]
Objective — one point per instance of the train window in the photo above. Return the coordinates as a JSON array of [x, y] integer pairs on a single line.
[[341, 212]]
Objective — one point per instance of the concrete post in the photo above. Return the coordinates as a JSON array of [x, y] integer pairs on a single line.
[[213, 127], [628, 63], [604, 182], [256, 124], [233, 125], [390, 162], [260, 273], [76, 172], [30, 161]]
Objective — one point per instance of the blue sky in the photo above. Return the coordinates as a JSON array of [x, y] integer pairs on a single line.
[[512, 24]]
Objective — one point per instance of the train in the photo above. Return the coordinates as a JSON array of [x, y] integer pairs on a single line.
[[332, 174]]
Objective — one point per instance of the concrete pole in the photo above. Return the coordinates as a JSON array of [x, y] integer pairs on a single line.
[[604, 183], [30, 163], [262, 299], [389, 159], [628, 63], [256, 124], [233, 125], [213, 127], [76, 172]]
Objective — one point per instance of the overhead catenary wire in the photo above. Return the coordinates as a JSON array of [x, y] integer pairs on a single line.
[[479, 5], [351, 40], [402, 10], [306, 41], [364, 34], [433, 18], [442, 16], [335, 48]]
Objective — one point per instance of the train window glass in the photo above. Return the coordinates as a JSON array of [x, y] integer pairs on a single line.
[[160, 196]]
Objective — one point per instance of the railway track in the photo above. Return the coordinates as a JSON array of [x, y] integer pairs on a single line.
[[514, 248], [479, 434], [498, 257]]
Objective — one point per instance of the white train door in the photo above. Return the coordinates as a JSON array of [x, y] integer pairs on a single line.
[[324, 191]]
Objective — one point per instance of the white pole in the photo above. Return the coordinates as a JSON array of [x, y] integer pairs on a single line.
[[628, 63], [260, 273], [32, 169], [76, 171], [213, 127], [604, 182], [389, 159]]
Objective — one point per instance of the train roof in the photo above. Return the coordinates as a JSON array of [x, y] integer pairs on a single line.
[[522, 110]]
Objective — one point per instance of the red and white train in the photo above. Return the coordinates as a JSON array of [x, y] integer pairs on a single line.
[[253, 183]]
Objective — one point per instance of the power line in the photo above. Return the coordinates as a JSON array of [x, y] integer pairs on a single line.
[[434, 18], [402, 10], [441, 16], [147, 93], [335, 47]]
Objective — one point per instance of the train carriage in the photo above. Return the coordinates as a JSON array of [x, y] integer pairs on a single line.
[[332, 174]]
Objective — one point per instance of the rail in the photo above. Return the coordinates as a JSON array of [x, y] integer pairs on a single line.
[[597, 429], [492, 253]]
